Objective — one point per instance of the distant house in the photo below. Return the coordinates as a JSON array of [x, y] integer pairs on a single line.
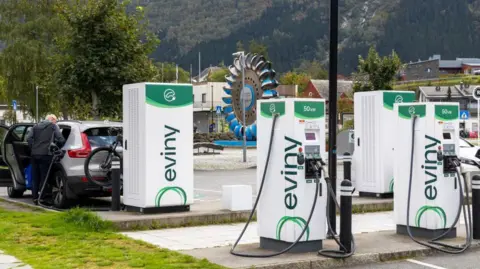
[[435, 66], [320, 89], [459, 93], [205, 74]]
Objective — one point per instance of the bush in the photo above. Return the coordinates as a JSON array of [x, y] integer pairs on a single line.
[[86, 219]]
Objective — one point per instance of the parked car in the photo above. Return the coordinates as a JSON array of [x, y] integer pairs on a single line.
[[470, 158], [67, 177]]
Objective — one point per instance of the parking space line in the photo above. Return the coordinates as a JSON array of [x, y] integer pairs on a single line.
[[425, 264]]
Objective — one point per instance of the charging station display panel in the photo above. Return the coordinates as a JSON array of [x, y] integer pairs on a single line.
[[310, 136]]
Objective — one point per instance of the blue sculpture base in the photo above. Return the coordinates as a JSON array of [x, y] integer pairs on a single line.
[[234, 143]]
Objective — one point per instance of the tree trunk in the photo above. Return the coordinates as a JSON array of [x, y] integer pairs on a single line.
[[95, 103]]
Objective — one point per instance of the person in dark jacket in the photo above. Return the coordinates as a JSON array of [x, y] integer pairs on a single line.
[[40, 138]]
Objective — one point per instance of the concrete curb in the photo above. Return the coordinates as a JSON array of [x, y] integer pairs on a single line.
[[216, 217], [359, 259], [23, 204]]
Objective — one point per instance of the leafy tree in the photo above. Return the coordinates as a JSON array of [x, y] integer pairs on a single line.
[[29, 30], [105, 48], [293, 78], [258, 48], [240, 46], [345, 105], [314, 69], [219, 75], [167, 72], [376, 73]]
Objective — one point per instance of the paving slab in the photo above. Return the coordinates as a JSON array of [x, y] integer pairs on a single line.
[[370, 248], [206, 213], [7, 262]]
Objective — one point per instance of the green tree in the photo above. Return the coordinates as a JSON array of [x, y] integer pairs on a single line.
[[219, 75], [293, 78], [240, 46], [258, 48], [29, 30], [314, 69], [105, 48], [167, 72], [376, 73]]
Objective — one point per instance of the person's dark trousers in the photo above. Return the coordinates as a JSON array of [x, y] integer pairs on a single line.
[[40, 165]]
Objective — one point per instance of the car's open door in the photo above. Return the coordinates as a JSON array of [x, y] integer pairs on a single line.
[[5, 175], [16, 153]]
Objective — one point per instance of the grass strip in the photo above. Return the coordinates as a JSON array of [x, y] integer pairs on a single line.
[[80, 239]]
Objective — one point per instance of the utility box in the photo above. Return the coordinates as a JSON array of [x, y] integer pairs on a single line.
[[372, 157], [435, 193], [289, 186], [158, 147]]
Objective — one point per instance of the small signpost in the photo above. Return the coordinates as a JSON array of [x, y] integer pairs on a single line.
[[476, 95], [219, 112], [14, 104], [464, 114]]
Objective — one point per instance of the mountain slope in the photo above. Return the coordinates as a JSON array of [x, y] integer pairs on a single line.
[[298, 29]]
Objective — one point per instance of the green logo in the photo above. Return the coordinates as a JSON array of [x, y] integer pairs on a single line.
[[169, 95], [268, 109], [390, 98], [431, 166], [297, 220], [178, 190], [407, 112], [447, 112], [440, 212], [309, 110], [391, 185]]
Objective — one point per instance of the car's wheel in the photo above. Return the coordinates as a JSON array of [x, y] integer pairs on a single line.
[[59, 190], [13, 193]]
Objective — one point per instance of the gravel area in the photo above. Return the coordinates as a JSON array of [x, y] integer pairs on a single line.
[[228, 159]]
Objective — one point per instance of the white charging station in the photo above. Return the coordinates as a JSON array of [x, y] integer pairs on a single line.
[[434, 201], [289, 187], [158, 147], [373, 154]]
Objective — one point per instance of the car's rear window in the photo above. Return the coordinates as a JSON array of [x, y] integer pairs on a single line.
[[100, 137]]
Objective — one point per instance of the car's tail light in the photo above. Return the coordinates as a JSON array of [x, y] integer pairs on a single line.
[[85, 179], [83, 151]]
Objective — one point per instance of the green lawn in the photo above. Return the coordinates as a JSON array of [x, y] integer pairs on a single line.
[[444, 81], [79, 239]]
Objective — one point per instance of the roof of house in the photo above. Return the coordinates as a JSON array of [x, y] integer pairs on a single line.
[[450, 64], [205, 72], [322, 87], [457, 63], [442, 91]]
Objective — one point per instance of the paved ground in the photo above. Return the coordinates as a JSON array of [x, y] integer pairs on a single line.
[[7, 262], [468, 260], [224, 235]]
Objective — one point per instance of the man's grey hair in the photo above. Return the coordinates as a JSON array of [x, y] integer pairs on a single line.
[[51, 117]]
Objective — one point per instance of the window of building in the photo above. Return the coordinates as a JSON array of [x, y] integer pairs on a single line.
[[204, 97]]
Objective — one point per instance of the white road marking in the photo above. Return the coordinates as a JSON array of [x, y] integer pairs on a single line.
[[425, 264]]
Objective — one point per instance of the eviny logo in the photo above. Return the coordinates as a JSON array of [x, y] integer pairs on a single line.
[[411, 110], [169, 95], [272, 108], [289, 173], [398, 99], [430, 192], [170, 152]]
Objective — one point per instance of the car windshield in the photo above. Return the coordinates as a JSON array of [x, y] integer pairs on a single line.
[[465, 144], [101, 137]]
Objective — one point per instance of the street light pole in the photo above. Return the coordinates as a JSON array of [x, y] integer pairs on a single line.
[[243, 104], [332, 109], [36, 104]]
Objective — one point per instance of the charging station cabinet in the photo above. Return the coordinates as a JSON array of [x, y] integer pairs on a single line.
[[289, 186], [372, 158], [158, 147], [434, 192]]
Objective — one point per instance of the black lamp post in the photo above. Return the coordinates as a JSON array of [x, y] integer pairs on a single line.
[[332, 108]]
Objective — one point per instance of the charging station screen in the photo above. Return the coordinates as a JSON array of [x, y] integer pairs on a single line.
[[310, 136], [447, 136]]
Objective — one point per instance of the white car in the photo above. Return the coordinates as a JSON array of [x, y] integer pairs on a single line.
[[470, 158]]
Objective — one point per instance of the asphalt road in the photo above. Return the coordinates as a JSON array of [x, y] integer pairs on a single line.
[[207, 186], [468, 260]]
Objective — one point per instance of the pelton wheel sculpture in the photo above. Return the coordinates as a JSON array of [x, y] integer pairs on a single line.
[[260, 83]]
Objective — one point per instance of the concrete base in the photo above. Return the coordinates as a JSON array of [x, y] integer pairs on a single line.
[[376, 195], [426, 233], [300, 247], [155, 210]]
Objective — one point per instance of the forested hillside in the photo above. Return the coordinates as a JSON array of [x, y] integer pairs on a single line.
[[298, 29]]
